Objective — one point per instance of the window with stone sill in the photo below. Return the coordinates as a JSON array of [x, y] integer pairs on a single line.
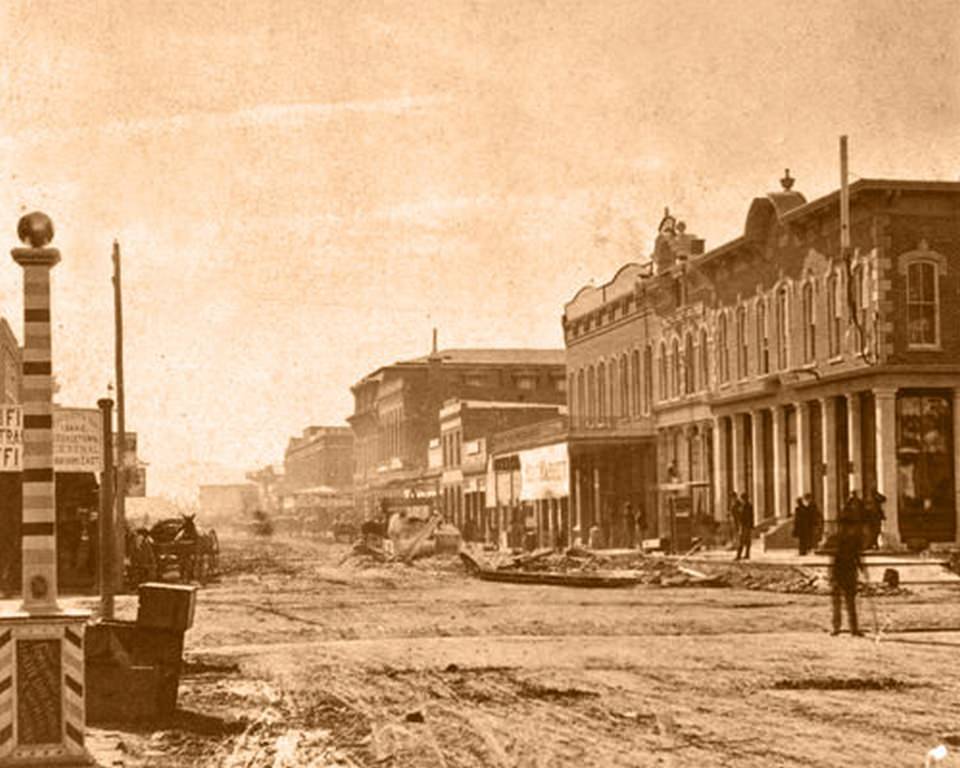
[[809, 324], [923, 311]]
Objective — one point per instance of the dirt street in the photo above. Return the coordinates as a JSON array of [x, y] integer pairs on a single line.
[[297, 660]]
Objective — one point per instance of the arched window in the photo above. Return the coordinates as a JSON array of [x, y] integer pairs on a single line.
[[923, 306], [783, 328], [635, 381], [689, 367], [614, 402], [584, 413], [624, 386], [809, 324], [763, 340], [704, 361], [601, 392], [742, 366], [676, 368], [592, 395], [664, 390], [833, 314], [647, 379], [723, 349]]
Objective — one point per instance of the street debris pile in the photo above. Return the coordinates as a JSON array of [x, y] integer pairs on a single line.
[[841, 684], [624, 569]]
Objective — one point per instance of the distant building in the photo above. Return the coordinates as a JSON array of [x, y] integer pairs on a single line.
[[777, 365], [397, 407], [269, 483], [321, 456], [228, 502], [466, 427]]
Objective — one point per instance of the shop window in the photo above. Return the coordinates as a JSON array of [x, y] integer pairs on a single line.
[[925, 460], [923, 312]]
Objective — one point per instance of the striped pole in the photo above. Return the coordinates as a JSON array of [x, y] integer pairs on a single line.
[[39, 510], [42, 680]]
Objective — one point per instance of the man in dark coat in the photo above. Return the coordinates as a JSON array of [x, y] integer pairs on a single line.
[[746, 527], [733, 510], [844, 567], [816, 521], [874, 517], [803, 526]]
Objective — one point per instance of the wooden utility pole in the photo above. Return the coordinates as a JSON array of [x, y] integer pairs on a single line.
[[121, 526], [105, 527]]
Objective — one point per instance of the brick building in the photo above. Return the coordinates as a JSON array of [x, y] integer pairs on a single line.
[[466, 428], [397, 410], [321, 456], [776, 365]]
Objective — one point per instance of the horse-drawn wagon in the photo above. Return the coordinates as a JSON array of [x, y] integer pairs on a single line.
[[172, 544]]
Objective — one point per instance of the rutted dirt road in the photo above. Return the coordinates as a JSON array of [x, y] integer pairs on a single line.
[[297, 660]]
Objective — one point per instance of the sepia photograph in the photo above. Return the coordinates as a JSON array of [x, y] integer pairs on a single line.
[[480, 383]]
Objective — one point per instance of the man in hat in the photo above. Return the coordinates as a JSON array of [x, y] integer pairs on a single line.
[[845, 564], [746, 527]]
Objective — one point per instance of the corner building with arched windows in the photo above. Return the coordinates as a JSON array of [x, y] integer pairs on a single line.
[[775, 365]]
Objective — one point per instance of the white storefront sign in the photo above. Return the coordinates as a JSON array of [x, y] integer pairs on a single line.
[[76, 439], [544, 472]]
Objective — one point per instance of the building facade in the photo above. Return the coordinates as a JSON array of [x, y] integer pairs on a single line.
[[780, 364], [466, 427], [397, 411], [320, 457], [528, 486]]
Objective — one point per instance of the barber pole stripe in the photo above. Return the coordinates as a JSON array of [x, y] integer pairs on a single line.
[[6, 692], [39, 508], [73, 705]]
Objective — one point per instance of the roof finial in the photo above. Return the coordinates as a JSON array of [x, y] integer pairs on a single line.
[[787, 181], [433, 352]]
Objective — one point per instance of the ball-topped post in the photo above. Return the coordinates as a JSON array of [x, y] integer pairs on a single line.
[[42, 708]]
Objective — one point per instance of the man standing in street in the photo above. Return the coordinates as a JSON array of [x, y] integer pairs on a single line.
[[746, 527], [844, 567]]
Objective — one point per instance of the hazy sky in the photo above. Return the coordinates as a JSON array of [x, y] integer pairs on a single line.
[[302, 190]]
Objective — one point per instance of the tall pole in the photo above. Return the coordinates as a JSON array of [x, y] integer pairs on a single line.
[[844, 199], [105, 563], [39, 544], [42, 707], [121, 421]]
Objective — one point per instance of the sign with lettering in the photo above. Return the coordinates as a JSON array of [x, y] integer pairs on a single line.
[[544, 473], [76, 439], [11, 438]]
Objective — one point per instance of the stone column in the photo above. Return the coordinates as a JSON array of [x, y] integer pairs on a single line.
[[802, 410], [886, 420], [757, 494], [956, 458], [781, 500], [720, 490], [853, 443], [597, 511], [576, 536], [736, 454], [831, 504]]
